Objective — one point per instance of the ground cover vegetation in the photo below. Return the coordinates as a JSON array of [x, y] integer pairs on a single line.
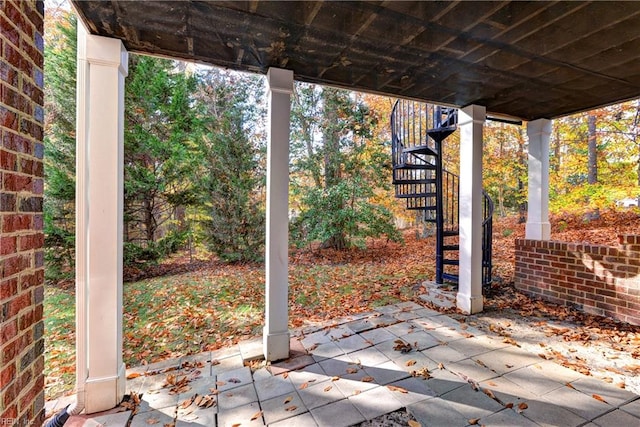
[[194, 206]]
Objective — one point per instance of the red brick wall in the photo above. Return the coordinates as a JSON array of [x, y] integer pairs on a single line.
[[21, 237], [602, 280]]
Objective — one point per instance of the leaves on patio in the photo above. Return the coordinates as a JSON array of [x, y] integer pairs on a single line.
[[403, 346], [210, 305]]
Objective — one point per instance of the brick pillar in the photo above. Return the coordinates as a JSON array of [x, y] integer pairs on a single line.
[[21, 238]]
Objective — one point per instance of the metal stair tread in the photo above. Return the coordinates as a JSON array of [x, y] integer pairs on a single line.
[[420, 149], [413, 166]]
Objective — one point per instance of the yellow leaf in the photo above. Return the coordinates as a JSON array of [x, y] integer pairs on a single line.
[[414, 423], [410, 362], [440, 365], [256, 416], [287, 400], [327, 388], [474, 421], [133, 375], [336, 378]]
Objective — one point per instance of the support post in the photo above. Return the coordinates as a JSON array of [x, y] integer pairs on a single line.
[[102, 68], [276, 330], [471, 121], [538, 226]]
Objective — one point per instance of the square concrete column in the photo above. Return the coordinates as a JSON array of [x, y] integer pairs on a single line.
[[276, 330], [471, 121], [102, 68], [538, 226]]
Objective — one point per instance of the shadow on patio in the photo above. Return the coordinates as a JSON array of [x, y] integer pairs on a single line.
[[360, 368]]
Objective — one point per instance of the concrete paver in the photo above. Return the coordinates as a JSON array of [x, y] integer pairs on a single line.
[[338, 414], [351, 371]]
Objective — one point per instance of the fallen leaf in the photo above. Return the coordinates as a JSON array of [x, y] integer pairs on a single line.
[[152, 421], [328, 388], [474, 421], [256, 415], [398, 389], [133, 375], [287, 400], [598, 397], [522, 406], [336, 378], [234, 380], [570, 385], [410, 362], [291, 408], [414, 423], [509, 405], [440, 366], [367, 379], [220, 383], [285, 375], [303, 385], [352, 370]]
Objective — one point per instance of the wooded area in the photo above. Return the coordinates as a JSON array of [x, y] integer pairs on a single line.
[[195, 161]]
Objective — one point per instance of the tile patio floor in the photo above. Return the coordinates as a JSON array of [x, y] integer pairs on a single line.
[[349, 372]]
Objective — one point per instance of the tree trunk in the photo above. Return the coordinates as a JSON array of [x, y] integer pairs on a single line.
[[593, 151]]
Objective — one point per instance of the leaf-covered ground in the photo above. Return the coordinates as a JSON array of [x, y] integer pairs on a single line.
[[205, 305]]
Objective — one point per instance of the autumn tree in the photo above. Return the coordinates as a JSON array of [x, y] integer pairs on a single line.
[[336, 167], [504, 167]]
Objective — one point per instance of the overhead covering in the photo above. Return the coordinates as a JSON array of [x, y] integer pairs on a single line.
[[522, 59]]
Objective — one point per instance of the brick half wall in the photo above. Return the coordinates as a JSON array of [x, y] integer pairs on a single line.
[[21, 222], [601, 280]]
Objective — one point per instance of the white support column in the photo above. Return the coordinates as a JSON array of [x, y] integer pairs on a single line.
[[471, 121], [276, 330], [538, 226], [102, 68]]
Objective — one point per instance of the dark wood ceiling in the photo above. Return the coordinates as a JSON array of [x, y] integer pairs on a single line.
[[523, 59]]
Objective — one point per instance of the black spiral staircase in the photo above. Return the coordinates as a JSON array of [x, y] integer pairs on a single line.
[[418, 131]]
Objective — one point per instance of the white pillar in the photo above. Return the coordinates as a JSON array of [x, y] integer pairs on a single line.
[[471, 121], [276, 330], [102, 68], [538, 226]]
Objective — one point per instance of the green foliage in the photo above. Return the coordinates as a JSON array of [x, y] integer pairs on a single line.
[[342, 209], [59, 148], [336, 170], [231, 179], [159, 164], [152, 252]]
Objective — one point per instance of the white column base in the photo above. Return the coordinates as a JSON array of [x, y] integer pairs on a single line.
[[105, 393], [538, 230], [276, 345], [469, 304]]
